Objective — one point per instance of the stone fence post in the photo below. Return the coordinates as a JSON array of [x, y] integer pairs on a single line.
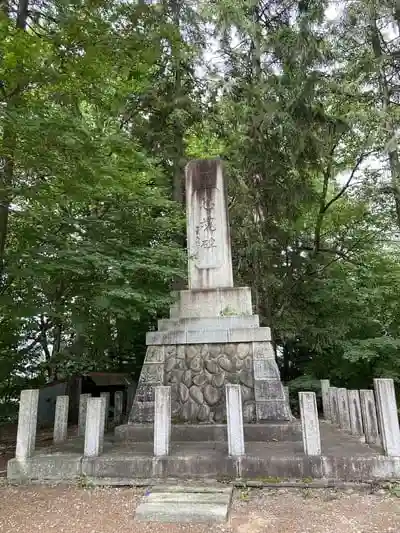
[[83, 400], [387, 416], [333, 408], [61, 419], [325, 384], [94, 430], [370, 419], [356, 422], [162, 420], [234, 420], [106, 396], [310, 423], [343, 408], [118, 406], [27, 423]]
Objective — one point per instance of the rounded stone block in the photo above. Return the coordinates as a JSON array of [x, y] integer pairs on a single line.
[[212, 367], [225, 363], [196, 394], [183, 392], [211, 395], [196, 364]]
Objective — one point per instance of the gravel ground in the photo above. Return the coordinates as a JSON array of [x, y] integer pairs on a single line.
[[110, 510]]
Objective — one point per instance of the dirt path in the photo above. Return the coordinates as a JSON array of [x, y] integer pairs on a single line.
[[79, 510]]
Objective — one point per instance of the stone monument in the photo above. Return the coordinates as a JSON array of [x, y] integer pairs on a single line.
[[212, 337]]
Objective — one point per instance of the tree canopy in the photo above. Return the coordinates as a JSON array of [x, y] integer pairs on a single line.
[[101, 105]]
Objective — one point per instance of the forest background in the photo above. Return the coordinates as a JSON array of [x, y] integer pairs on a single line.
[[102, 103]]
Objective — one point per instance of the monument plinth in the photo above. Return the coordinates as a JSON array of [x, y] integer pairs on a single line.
[[212, 337]]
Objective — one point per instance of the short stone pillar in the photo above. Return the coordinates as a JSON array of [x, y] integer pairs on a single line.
[[343, 408], [106, 396], [83, 400], [162, 420], [27, 423], [118, 406], [370, 420], [356, 423], [94, 430], [310, 423], [333, 407], [387, 416], [61, 419], [234, 420], [325, 384]]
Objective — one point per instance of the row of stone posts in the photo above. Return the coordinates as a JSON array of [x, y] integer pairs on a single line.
[[92, 421], [368, 414]]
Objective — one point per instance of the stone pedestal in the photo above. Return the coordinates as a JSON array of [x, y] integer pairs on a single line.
[[197, 357]]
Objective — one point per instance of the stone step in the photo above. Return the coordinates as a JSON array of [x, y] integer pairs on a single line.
[[268, 432], [196, 324], [185, 504], [208, 336]]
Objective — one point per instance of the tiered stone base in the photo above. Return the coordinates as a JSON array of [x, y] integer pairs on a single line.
[[198, 355]]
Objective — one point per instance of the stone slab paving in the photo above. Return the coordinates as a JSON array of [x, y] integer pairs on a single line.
[[178, 503]]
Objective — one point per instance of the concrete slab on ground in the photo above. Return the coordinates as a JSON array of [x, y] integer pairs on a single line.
[[185, 504]]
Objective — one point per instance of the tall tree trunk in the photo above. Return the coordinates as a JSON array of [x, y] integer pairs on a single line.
[[384, 88], [9, 141]]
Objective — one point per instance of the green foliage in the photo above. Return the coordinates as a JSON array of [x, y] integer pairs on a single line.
[[101, 106]]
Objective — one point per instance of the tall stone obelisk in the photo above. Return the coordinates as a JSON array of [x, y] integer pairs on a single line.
[[212, 337], [208, 235]]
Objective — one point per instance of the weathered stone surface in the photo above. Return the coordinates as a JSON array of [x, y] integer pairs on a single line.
[[191, 351], [196, 364], [218, 379], [152, 372], [204, 413], [169, 364], [200, 372], [181, 505], [169, 350], [268, 389], [387, 416], [248, 363], [196, 394], [176, 407], [190, 411], [309, 423], [155, 354], [187, 378], [369, 416], [176, 376], [263, 350], [200, 380], [162, 421], [265, 369], [220, 414], [235, 420], [249, 412], [212, 367], [180, 352], [145, 392], [180, 364], [230, 349], [183, 393], [237, 363], [27, 422], [211, 395], [243, 350], [247, 393], [225, 363], [246, 378], [214, 350]]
